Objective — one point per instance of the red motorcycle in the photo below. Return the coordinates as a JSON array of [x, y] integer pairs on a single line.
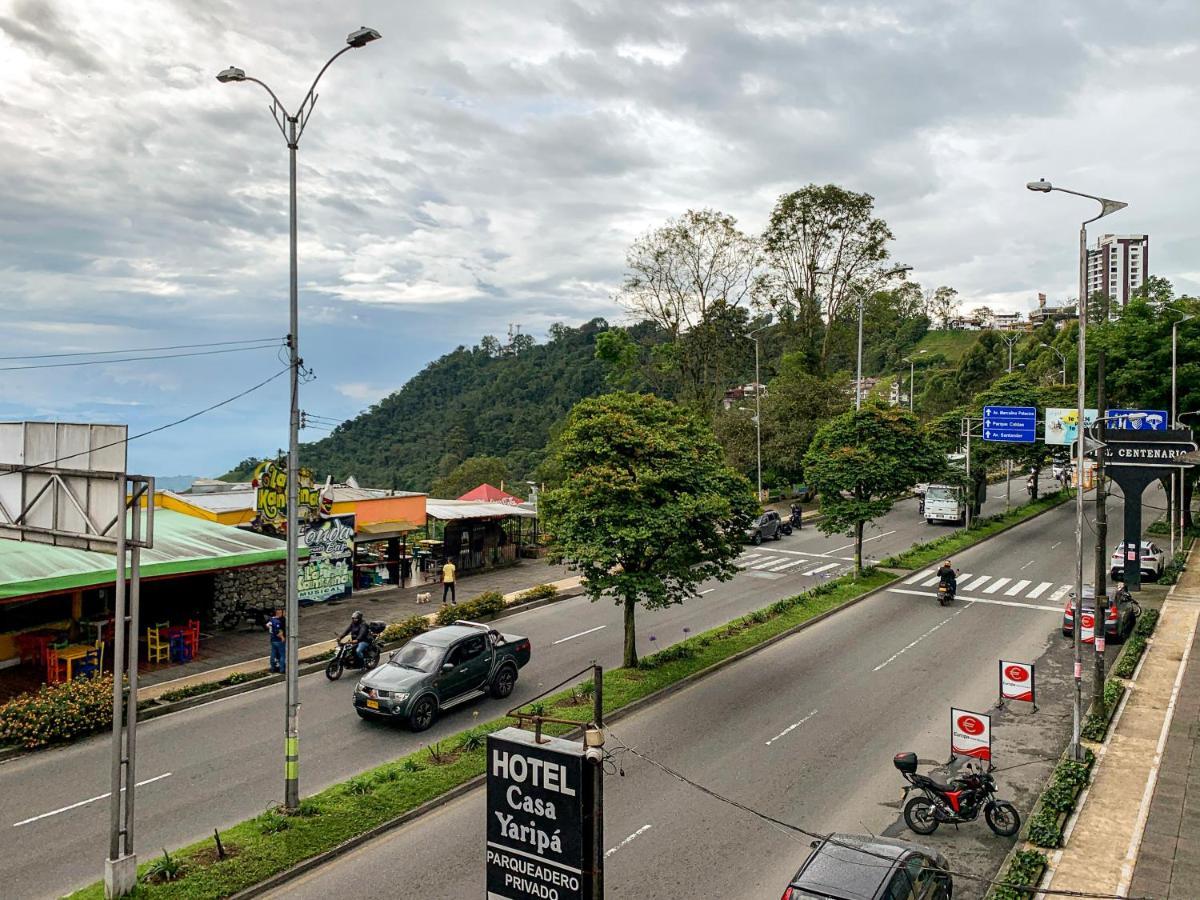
[[954, 803]]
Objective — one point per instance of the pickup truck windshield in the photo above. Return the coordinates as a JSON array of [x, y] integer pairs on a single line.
[[415, 655], [941, 493]]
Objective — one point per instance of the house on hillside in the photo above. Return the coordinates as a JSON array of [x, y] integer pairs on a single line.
[[1059, 315]]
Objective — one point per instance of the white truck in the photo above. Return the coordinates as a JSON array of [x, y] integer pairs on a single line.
[[944, 503]]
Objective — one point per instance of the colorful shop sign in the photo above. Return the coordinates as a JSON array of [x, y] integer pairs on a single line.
[[328, 572], [270, 480]]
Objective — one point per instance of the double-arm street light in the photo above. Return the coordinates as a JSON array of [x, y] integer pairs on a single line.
[[897, 270], [912, 371], [291, 126], [1061, 358], [1107, 207]]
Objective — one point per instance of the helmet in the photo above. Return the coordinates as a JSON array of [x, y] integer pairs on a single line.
[[356, 615]]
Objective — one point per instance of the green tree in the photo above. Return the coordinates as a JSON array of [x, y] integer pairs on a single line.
[[795, 404], [471, 473], [647, 510], [862, 462]]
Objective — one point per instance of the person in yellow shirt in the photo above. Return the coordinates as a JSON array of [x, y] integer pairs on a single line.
[[448, 582]]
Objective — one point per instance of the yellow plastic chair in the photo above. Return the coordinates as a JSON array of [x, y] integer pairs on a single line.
[[100, 655], [158, 648]]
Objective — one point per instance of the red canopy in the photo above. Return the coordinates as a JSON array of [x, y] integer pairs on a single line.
[[490, 494]]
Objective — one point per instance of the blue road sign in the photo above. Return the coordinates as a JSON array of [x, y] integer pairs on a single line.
[[1010, 424], [1150, 420]]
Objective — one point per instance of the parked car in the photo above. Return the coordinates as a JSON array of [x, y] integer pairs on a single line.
[[767, 526], [804, 493], [1120, 615], [439, 669], [1154, 560], [856, 867]]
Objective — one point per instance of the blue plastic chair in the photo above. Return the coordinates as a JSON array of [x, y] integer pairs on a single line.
[[88, 666], [180, 651]]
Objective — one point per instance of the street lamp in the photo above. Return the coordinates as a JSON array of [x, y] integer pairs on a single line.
[[912, 369], [758, 406], [1175, 424], [895, 270], [291, 126], [1107, 207], [1061, 357]]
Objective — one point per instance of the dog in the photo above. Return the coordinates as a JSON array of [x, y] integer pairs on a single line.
[[424, 596]]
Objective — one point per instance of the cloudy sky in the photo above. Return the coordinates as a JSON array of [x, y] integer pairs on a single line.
[[488, 163]]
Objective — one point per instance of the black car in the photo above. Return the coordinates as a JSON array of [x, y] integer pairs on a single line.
[[856, 867], [1120, 616], [768, 525]]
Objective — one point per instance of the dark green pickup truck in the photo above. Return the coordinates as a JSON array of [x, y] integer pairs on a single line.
[[441, 668]]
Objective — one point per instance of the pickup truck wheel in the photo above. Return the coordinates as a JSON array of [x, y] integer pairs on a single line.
[[504, 682], [422, 714], [757, 539]]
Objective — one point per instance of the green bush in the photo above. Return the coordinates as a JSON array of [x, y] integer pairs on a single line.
[[1044, 830], [1173, 569], [1024, 870], [359, 785], [486, 604], [1131, 653], [165, 868], [1146, 622], [1096, 725], [57, 712], [404, 630], [273, 822], [539, 592]]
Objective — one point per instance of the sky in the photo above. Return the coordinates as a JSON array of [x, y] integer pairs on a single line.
[[489, 163]]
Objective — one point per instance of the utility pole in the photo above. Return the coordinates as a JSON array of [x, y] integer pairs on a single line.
[[598, 786], [970, 491], [1100, 578], [1012, 339]]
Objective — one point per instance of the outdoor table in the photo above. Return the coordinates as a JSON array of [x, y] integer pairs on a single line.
[[70, 654]]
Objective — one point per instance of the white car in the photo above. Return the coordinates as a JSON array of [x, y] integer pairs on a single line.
[[1154, 560]]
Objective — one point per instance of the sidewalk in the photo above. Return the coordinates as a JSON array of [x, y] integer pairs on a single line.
[[225, 653], [1140, 820]]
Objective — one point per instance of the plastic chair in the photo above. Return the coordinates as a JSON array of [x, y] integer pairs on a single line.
[[158, 649], [179, 650], [56, 669], [88, 666], [100, 655], [192, 636]]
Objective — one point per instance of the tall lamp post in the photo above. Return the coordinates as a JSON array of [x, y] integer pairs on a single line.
[[1175, 424], [758, 407], [1107, 207], [1010, 340], [291, 126], [896, 270], [1061, 358]]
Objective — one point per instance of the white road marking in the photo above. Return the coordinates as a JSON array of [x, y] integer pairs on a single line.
[[779, 567], [930, 582], [1027, 565], [764, 564], [1039, 590], [104, 796], [791, 728], [709, 591], [865, 541], [982, 579], [822, 569], [571, 637], [917, 578], [988, 600], [1056, 546], [747, 560], [612, 850], [1059, 594], [898, 653], [996, 585], [1016, 589]]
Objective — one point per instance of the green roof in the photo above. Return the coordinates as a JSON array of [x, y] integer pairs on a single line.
[[183, 545]]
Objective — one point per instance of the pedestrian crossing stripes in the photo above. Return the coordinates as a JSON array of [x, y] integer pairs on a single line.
[[1016, 588], [996, 585], [769, 562], [974, 585], [969, 583], [1039, 590], [821, 569]]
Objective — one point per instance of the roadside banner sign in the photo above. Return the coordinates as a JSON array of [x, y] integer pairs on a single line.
[[1087, 627], [1150, 449], [1010, 424], [539, 818], [1062, 424], [970, 734], [1016, 682], [1149, 420]]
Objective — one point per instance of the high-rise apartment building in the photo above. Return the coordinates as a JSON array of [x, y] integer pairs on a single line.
[[1118, 266]]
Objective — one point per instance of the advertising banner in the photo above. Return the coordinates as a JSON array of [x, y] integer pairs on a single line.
[[270, 480], [1062, 425], [539, 818], [970, 734], [328, 573], [1016, 681], [1087, 628]]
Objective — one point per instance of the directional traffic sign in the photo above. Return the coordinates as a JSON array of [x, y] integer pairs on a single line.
[[1147, 419], [1010, 424]]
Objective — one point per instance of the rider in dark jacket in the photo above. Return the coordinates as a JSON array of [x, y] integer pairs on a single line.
[[359, 634], [948, 576]]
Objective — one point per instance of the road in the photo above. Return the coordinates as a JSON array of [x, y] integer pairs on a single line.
[[804, 731], [220, 763]]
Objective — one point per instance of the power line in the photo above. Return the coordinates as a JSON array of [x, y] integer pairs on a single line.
[[96, 362], [141, 349], [829, 839]]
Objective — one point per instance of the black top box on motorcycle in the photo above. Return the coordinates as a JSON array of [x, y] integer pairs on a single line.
[[377, 627], [905, 762]]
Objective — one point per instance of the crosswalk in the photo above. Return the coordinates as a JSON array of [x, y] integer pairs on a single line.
[[790, 565], [974, 583]]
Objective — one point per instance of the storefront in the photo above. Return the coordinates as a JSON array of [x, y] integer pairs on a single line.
[[474, 535]]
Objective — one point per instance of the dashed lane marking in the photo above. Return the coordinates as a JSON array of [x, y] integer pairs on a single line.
[[571, 637], [640, 831], [104, 796], [791, 728], [904, 650]]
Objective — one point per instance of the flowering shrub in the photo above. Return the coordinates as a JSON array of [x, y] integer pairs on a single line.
[[486, 604], [57, 712], [402, 631]]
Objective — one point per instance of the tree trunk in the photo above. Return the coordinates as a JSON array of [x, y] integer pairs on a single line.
[[858, 542], [631, 657]]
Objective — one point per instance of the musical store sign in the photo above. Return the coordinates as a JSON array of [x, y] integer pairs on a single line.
[[970, 734], [1016, 681], [539, 818]]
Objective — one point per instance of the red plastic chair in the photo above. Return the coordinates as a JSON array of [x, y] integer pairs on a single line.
[[56, 669], [191, 636]]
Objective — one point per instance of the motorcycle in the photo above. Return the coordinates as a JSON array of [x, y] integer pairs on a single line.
[[796, 519], [346, 657], [945, 593], [959, 801]]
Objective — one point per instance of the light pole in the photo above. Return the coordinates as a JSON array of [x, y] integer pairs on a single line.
[[1107, 207], [1061, 358], [1175, 424], [291, 126], [758, 407], [912, 371], [895, 270], [1009, 340]]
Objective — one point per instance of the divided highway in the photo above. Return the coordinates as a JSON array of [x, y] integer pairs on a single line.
[[219, 763]]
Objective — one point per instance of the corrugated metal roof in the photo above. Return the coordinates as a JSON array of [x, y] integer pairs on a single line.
[[182, 545], [471, 509], [218, 501]]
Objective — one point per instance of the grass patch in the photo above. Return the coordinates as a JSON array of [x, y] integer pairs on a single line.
[[934, 551], [1024, 871], [339, 812], [1135, 647], [1174, 568], [1095, 727], [951, 344]]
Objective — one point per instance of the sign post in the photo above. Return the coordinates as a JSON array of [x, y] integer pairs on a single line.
[[1017, 683], [970, 735], [539, 818]]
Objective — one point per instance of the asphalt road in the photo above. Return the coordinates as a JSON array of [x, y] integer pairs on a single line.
[[804, 731], [219, 763]]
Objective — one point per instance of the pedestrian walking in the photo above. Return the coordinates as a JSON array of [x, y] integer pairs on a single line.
[[448, 571], [277, 628], [405, 568]]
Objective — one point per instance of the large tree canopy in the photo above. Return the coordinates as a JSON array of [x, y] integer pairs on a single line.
[[647, 509]]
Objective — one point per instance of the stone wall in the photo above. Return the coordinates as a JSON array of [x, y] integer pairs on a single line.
[[263, 585]]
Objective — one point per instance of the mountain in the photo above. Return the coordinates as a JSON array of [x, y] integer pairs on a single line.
[[485, 401], [174, 482]]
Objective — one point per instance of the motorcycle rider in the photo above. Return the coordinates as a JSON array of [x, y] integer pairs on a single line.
[[797, 517], [359, 634], [948, 576]]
